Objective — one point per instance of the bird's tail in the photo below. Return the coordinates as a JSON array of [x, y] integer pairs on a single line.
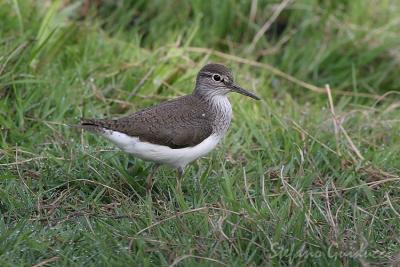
[[91, 125]]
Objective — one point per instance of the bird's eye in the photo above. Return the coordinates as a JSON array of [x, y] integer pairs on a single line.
[[217, 77]]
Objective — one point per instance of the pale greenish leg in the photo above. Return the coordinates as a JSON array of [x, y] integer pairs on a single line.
[[149, 179], [179, 180]]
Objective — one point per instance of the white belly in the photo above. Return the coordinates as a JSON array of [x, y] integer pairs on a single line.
[[161, 154]]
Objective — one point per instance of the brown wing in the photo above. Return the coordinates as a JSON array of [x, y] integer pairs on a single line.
[[179, 123]]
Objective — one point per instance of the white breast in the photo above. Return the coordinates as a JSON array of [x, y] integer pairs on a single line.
[[222, 107], [161, 154]]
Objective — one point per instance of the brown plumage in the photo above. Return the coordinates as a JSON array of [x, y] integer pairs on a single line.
[[182, 122]]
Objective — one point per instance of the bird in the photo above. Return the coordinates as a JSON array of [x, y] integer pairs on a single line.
[[178, 131]]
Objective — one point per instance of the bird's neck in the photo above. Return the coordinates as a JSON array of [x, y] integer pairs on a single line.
[[221, 112]]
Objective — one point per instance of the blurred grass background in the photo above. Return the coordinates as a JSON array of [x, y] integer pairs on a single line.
[[299, 180]]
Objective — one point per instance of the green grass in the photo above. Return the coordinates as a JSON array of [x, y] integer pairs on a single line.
[[284, 188]]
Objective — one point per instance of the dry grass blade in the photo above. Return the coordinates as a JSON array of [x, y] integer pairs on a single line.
[[351, 143], [391, 205], [141, 82], [339, 127], [98, 183], [46, 262], [334, 118], [23, 161], [370, 184], [170, 218], [287, 186], [268, 23], [181, 258], [301, 130]]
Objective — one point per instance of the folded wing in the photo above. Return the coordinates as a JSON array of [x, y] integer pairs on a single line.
[[179, 123]]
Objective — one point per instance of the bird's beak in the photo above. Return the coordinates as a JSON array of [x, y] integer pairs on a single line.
[[240, 90]]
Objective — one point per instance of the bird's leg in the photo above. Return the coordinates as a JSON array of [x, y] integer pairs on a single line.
[[149, 179], [178, 181], [180, 172]]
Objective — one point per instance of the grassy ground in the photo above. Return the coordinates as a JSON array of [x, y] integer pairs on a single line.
[[299, 179]]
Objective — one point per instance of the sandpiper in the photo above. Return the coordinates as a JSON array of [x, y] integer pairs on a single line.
[[178, 131]]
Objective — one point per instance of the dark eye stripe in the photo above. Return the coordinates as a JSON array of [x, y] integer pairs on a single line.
[[206, 75], [211, 75]]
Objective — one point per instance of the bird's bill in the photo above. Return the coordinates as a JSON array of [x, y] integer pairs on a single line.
[[240, 90]]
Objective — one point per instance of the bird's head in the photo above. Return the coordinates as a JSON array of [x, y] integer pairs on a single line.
[[216, 79]]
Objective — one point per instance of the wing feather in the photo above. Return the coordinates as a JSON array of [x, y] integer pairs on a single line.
[[179, 123]]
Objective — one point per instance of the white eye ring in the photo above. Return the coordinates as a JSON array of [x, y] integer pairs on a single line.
[[217, 77]]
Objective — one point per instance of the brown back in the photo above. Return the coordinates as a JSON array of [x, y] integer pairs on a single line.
[[182, 122]]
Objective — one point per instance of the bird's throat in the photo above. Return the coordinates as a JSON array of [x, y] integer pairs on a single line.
[[222, 110]]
